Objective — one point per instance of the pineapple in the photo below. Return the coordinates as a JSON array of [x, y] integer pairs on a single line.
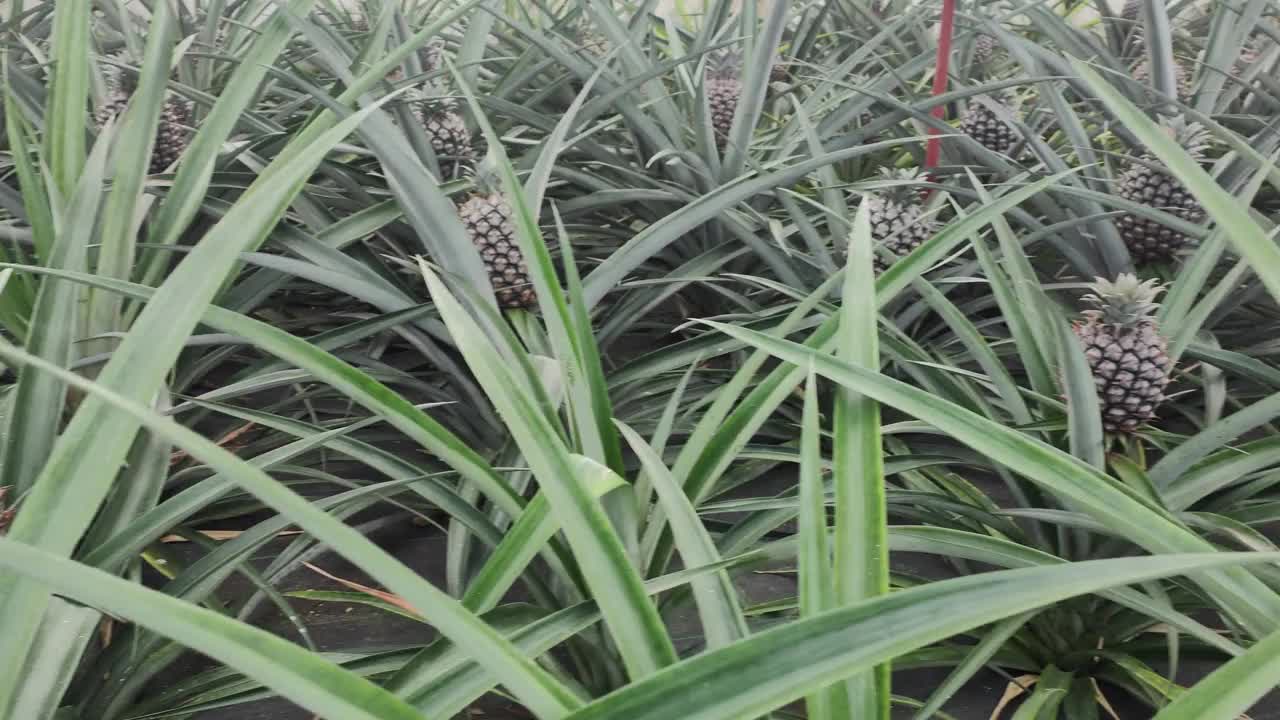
[[984, 49], [172, 134], [6, 512], [780, 71], [723, 88], [1182, 77], [590, 41], [1149, 184], [983, 124], [1131, 10], [1251, 54], [448, 132], [487, 219], [898, 222], [1125, 350]]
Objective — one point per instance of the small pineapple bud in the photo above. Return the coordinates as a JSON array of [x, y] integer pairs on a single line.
[[1126, 353]]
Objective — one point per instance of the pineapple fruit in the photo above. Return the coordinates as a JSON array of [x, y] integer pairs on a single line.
[[1126, 353], [6, 512], [173, 133], [898, 220], [590, 41], [983, 124], [780, 71], [1182, 77], [448, 133], [487, 219], [723, 87], [1149, 184], [984, 49]]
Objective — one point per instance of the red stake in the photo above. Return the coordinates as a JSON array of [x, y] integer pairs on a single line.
[[940, 78]]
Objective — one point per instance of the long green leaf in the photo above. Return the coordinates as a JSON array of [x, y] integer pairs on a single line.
[[65, 139], [717, 600], [1233, 688], [775, 667], [816, 579], [861, 564]]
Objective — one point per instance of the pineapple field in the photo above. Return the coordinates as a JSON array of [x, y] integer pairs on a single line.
[[587, 359]]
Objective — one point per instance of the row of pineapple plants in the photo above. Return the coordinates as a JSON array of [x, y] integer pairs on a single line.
[[640, 243]]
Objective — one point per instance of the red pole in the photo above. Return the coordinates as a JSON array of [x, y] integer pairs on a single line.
[[940, 77]]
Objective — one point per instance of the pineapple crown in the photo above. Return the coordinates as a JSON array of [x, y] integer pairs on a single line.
[[1190, 136], [1007, 97], [118, 79], [485, 177], [725, 64], [432, 55], [1123, 302], [1193, 137], [903, 190]]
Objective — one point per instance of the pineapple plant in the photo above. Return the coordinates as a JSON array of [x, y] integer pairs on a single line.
[[898, 220], [173, 134], [723, 87], [982, 124], [1148, 183], [486, 216], [1126, 353]]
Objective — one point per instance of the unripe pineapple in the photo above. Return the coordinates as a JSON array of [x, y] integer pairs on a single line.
[[1131, 10], [723, 87], [448, 132], [1149, 184], [898, 220], [487, 219], [173, 131], [983, 124], [780, 71], [984, 49], [6, 512], [1250, 54], [1182, 77], [589, 40], [1127, 355]]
